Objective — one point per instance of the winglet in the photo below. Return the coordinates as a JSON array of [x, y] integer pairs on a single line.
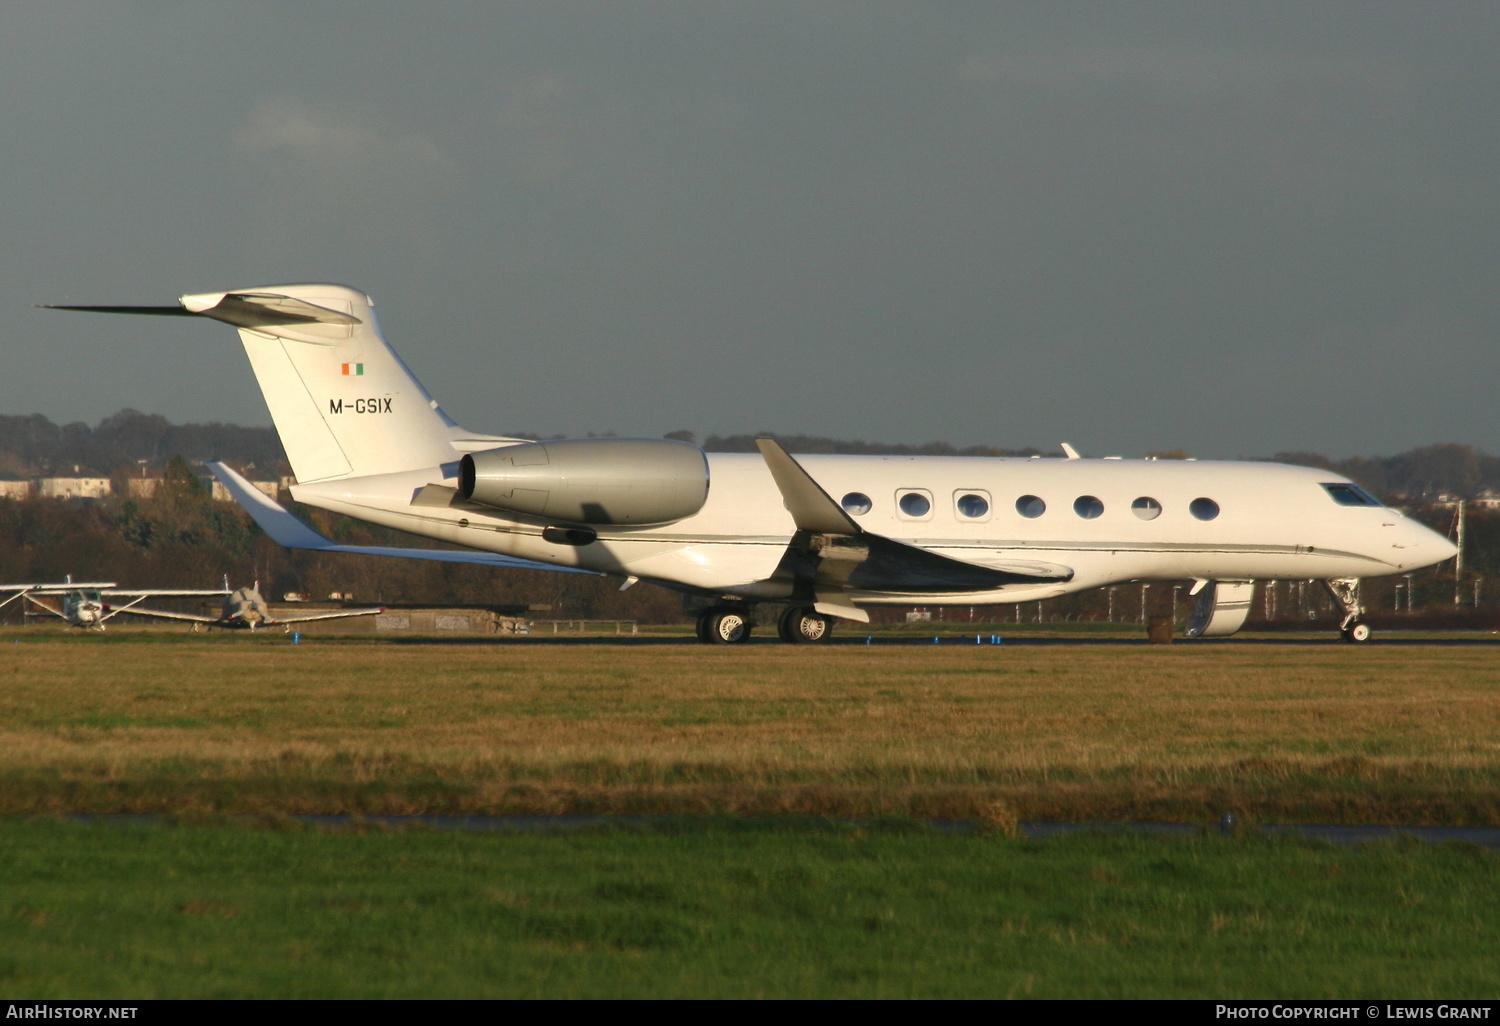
[[287, 530], [1069, 452], [812, 508], [283, 528]]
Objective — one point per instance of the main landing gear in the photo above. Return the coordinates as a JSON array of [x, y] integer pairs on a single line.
[[803, 625], [730, 625], [724, 625], [1345, 591]]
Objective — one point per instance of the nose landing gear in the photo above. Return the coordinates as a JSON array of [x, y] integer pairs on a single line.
[[1345, 591]]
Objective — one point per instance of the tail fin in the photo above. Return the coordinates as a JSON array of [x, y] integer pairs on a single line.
[[342, 400]]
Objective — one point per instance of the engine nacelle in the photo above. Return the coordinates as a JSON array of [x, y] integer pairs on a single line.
[[622, 481]]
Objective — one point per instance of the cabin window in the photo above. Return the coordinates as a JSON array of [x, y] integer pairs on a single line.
[[1146, 508], [1088, 507], [972, 505], [1204, 509], [856, 504], [1030, 506], [914, 504], [1350, 494]]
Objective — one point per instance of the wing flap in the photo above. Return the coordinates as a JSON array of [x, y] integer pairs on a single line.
[[895, 566]]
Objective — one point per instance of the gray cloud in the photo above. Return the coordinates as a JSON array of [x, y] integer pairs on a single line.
[[1224, 228]]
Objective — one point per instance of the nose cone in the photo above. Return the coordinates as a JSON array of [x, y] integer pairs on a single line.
[[1422, 546]]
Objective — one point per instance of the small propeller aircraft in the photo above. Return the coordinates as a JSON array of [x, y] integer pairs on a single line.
[[90, 604], [246, 609]]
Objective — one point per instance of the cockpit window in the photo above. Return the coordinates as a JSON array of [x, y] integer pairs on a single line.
[[1350, 494]]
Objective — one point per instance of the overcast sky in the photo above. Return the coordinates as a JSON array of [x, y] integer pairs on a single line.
[[1230, 228]]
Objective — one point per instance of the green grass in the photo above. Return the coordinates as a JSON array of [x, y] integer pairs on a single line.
[[1306, 733], [725, 909]]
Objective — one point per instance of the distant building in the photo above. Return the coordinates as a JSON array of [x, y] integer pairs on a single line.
[[14, 489], [145, 486], [81, 484], [221, 494]]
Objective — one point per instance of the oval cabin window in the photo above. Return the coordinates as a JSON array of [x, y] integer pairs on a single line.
[[1146, 508], [1088, 507], [856, 504], [972, 505], [915, 504]]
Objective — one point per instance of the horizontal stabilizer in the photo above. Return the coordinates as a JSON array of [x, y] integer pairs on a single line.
[[148, 311], [242, 309], [287, 530]]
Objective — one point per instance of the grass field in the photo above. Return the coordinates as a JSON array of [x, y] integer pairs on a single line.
[[1301, 733], [204, 729], [725, 909]]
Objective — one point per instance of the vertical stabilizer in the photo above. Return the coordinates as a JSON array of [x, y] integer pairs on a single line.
[[343, 402]]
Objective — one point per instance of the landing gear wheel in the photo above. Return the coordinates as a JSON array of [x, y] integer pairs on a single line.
[[724, 625], [803, 625], [1345, 591]]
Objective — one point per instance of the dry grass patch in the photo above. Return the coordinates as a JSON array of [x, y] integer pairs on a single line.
[[259, 725]]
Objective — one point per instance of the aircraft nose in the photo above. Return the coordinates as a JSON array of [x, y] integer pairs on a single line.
[[1425, 547]]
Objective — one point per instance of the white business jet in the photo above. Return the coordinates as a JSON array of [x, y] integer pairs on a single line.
[[823, 536]]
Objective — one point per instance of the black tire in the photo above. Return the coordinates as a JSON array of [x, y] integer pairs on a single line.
[[803, 625], [1357, 633], [726, 625]]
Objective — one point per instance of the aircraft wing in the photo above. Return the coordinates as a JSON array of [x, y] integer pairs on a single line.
[[50, 588], [277, 621], [162, 593], [270, 621], [287, 530], [162, 614], [831, 554]]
